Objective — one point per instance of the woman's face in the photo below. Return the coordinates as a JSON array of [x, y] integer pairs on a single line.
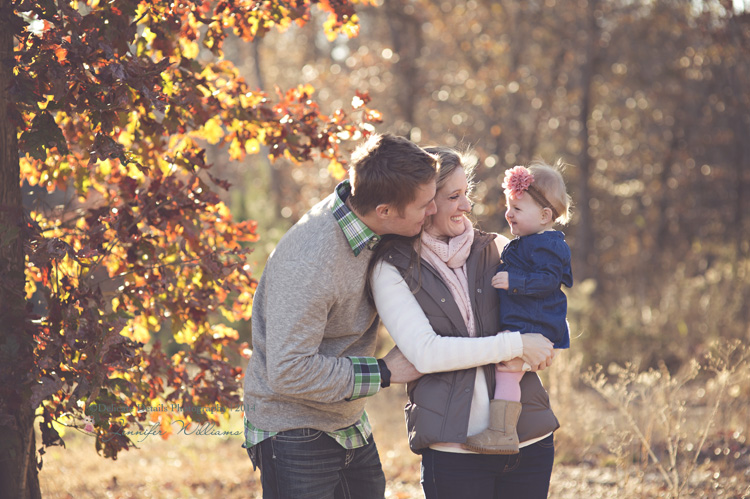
[[452, 206]]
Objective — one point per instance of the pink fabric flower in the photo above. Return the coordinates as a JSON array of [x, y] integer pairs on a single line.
[[517, 181]]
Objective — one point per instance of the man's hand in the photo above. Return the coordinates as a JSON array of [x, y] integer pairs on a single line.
[[537, 351], [500, 280], [518, 365], [402, 371]]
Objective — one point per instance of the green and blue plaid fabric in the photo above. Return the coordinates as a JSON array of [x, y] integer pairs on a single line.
[[351, 437], [366, 377], [356, 232]]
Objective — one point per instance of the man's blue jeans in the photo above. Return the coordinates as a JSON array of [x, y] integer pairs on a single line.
[[448, 475], [308, 464]]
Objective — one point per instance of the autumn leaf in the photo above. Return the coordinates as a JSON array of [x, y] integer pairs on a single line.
[[212, 131], [336, 169], [115, 108], [60, 53], [42, 135]]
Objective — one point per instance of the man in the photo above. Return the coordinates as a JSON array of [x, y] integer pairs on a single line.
[[314, 330]]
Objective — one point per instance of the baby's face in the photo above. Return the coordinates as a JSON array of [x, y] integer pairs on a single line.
[[524, 216]]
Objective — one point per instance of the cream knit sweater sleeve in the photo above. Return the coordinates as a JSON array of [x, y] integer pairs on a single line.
[[429, 352]]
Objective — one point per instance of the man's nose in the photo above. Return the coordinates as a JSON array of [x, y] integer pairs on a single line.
[[431, 208]]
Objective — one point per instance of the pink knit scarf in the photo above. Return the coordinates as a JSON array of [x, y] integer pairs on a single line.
[[449, 259]]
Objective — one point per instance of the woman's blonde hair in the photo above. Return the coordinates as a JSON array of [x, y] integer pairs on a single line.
[[450, 159]]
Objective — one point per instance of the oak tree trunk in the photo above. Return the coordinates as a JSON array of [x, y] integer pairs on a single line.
[[18, 471]]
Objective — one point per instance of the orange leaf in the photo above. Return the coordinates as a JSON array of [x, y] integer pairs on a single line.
[[61, 54]]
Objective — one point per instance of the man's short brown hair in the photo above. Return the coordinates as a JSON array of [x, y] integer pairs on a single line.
[[388, 169]]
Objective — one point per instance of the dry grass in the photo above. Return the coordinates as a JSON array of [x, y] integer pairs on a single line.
[[598, 454], [180, 467], [191, 466]]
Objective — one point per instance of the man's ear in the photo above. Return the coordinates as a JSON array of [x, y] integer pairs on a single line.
[[383, 211]]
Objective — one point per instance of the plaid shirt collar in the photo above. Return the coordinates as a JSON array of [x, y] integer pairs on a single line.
[[356, 232]]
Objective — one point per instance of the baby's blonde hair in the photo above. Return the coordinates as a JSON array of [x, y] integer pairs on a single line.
[[549, 180]]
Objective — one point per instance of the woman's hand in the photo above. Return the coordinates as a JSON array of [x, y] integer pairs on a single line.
[[538, 351], [500, 280], [512, 366]]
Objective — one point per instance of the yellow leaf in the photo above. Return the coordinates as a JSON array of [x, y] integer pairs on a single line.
[[189, 48], [105, 166], [336, 169], [351, 28], [252, 146], [43, 104], [236, 152], [212, 130], [61, 424], [149, 35], [328, 27], [135, 173], [219, 331], [197, 277], [169, 88], [137, 331], [187, 334], [30, 288], [251, 99]]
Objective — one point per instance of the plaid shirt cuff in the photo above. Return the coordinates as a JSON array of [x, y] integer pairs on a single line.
[[366, 377]]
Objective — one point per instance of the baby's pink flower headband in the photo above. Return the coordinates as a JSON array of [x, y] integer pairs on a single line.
[[517, 181]]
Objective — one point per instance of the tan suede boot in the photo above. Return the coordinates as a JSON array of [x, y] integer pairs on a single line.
[[501, 436]]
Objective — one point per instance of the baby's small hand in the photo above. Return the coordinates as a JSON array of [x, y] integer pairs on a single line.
[[500, 280], [511, 366]]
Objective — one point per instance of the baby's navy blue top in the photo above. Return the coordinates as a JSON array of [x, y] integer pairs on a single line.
[[537, 266]]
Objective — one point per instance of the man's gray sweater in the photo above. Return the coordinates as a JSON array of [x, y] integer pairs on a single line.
[[310, 312]]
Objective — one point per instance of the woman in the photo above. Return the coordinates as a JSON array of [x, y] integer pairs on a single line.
[[435, 297]]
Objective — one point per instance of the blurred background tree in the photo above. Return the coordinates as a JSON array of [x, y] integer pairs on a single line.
[[646, 102]]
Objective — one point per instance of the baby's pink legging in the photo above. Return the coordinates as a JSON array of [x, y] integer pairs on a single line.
[[507, 386]]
